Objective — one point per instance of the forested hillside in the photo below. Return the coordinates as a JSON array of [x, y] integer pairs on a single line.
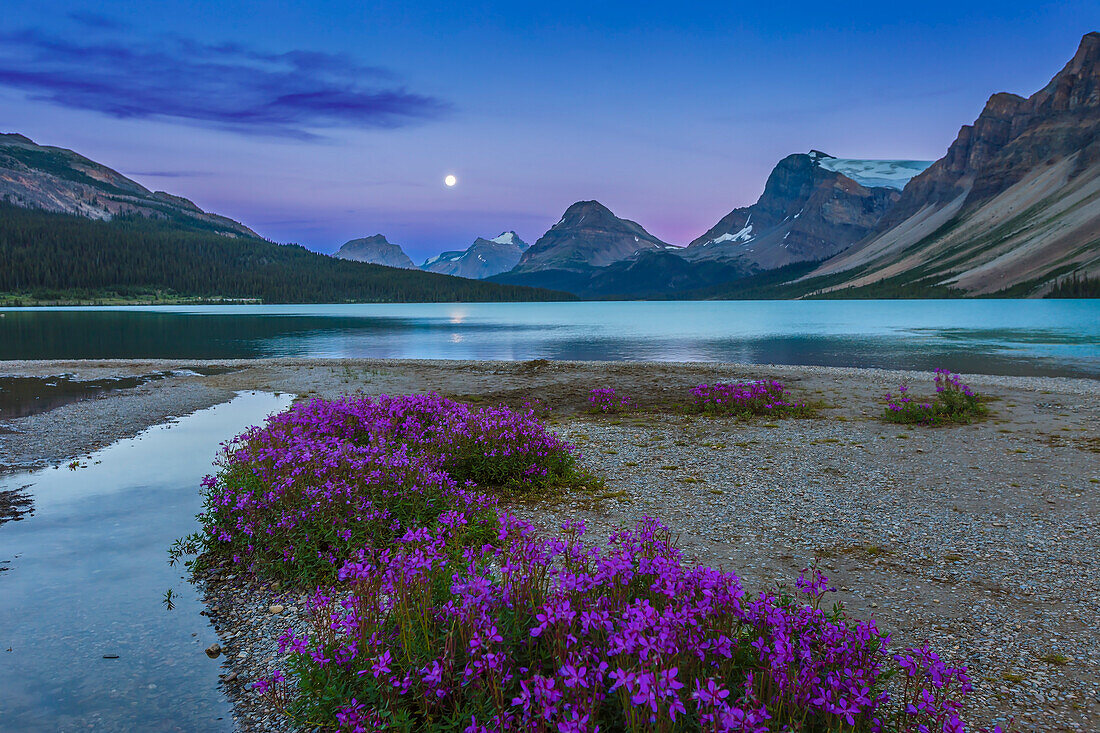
[[46, 255]]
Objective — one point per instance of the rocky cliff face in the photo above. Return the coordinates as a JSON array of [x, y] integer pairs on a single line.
[[809, 210], [587, 236], [1015, 202], [484, 258], [55, 179], [375, 250]]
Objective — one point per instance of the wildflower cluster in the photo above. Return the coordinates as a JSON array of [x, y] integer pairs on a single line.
[[542, 634], [746, 399], [437, 611], [954, 402], [608, 401], [296, 497]]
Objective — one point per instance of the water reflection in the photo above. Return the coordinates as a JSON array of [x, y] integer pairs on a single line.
[[1054, 337], [86, 576], [22, 396]]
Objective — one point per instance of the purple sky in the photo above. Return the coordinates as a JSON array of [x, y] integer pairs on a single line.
[[318, 124]]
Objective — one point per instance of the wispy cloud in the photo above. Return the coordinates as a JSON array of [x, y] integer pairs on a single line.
[[170, 174], [96, 20], [295, 93]]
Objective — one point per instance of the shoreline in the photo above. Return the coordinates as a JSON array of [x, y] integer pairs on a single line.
[[75, 429], [982, 539]]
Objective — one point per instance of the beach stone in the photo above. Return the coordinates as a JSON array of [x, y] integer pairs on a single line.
[[213, 650]]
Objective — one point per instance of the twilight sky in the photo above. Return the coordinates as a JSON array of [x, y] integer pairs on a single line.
[[319, 122]]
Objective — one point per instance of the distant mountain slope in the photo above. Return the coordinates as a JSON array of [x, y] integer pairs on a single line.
[[56, 179], [1014, 204], [46, 256], [588, 235], [376, 251], [655, 274], [484, 258], [813, 206]]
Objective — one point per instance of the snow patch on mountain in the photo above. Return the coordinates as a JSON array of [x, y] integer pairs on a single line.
[[744, 235]]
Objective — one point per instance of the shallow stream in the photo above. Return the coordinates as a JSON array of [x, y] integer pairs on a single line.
[[86, 641]]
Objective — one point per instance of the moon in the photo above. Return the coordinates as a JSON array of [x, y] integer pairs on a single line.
[[449, 180]]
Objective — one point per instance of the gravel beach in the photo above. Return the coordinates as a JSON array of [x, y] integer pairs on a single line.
[[983, 540]]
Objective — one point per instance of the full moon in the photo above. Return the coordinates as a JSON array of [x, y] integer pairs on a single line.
[[449, 180]]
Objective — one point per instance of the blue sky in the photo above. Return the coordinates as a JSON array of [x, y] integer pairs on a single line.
[[316, 123]]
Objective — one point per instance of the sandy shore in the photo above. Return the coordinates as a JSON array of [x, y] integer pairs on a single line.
[[982, 539]]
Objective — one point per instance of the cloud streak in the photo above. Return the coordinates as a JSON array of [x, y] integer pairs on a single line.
[[229, 86], [96, 20]]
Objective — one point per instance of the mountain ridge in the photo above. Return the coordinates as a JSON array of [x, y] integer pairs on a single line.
[[61, 180], [807, 211], [484, 258], [1015, 200], [588, 235]]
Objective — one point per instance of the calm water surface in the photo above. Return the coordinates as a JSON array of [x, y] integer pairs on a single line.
[[1056, 337], [85, 576]]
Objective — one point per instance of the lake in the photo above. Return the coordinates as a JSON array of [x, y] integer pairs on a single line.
[[1022, 337]]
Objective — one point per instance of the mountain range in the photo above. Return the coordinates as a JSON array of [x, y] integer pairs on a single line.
[[1011, 209], [807, 212], [72, 229], [484, 258]]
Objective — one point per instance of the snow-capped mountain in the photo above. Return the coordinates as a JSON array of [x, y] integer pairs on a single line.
[[813, 206], [484, 258]]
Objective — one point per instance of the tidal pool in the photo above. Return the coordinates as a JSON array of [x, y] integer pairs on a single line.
[[85, 578]]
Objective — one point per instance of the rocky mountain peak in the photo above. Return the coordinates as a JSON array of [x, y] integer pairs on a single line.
[[509, 237], [813, 206], [484, 258], [1077, 85], [587, 213], [588, 235], [377, 250], [1012, 200], [373, 239], [1012, 136]]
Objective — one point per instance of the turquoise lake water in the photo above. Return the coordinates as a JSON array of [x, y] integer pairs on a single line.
[[1052, 337]]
